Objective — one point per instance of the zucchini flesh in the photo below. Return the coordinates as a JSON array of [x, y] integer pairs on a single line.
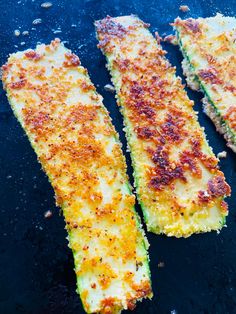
[[209, 49], [78, 147], [178, 183]]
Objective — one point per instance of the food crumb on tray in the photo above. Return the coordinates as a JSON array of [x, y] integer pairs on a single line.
[[184, 8], [46, 5], [109, 88], [48, 214], [222, 154], [172, 39], [17, 32]]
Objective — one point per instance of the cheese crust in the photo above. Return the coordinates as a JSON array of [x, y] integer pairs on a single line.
[[209, 49], [72, 134], [178, 183]]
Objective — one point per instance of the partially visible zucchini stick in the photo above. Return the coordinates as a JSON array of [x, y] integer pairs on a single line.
[[179, 185], [209, 50], [72, 134]]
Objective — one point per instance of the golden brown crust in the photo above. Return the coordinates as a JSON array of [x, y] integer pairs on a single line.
[[212, 56], [162, 127], [78, 148]]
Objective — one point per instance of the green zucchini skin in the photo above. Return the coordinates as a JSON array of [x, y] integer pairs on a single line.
[[208, 49]]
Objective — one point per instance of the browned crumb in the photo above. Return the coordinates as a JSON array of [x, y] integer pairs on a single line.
[[172, 39], [184, 8], [158, 37], [48, 214]]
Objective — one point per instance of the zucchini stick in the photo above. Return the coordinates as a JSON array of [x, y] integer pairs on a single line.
[[178, 183], [72, 134], [209, 50]]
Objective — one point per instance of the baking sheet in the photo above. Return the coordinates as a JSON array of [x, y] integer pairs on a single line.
[[194, 275]]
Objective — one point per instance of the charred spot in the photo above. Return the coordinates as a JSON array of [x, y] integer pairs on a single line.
[[102, 43], [192, 25], [230, 88], [122, 64], [146, 25], [136, 90], [18, 85], [210, 59], [160, 157], [188, 161], [210, 76], [171, 128], [71, 60], [147, 111], [209, 162], [145, 132], [93, 285], [144, 109], [217, 187], [196, 147], [131, 304], [5, 67], [160, 83], [166, 176], [204, 197], [110, 27], [33, 55]]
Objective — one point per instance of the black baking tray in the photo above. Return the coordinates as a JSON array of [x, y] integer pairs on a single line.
[[36, 266]]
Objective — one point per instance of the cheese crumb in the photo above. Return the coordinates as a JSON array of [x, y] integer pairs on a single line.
[[46, 5], [172, 39], [16, 32], [184, 8], [48, 214], [109, 88], [222, 154]]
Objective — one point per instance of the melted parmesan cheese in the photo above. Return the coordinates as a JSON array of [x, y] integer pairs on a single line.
[[209, 47], [72, 134], [176, 174]]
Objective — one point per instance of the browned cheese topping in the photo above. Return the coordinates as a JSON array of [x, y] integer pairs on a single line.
[[209, 46], [174, 167], [71, 132]]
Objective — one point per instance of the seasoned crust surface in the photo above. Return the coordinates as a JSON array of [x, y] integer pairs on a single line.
[[174, 166], [210, 49], [71, 132]]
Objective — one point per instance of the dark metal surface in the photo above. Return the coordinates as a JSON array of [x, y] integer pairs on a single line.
[[36, 266]]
